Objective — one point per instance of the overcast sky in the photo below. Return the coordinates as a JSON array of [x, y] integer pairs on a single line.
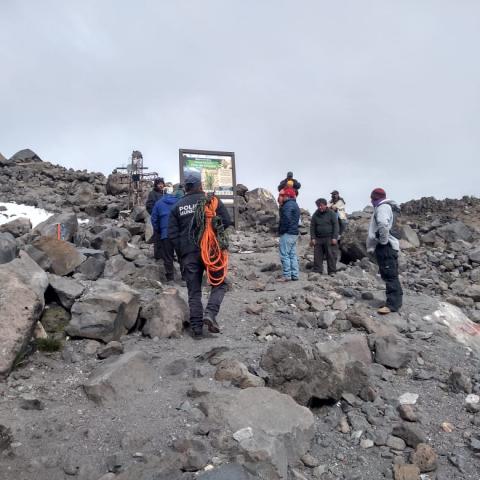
[[349, 94]]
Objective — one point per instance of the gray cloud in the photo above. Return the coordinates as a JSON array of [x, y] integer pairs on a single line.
[[349, 95]]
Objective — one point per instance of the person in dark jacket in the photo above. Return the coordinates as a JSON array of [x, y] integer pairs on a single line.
[[288, 231], [290, 182], [324, 235], [155, 194], [160, 216], [180, 227]]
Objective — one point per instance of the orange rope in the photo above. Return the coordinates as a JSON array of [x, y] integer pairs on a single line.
[[214, 259]]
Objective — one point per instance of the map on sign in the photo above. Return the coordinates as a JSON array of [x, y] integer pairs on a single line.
[[216, 171]]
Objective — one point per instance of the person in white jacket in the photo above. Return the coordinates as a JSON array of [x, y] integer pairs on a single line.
[[386, 246]]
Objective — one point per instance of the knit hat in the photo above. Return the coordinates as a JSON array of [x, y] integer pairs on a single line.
[[378, 194], [158, 180]]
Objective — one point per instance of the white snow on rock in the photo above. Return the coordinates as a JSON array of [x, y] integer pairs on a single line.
[[14, 211]]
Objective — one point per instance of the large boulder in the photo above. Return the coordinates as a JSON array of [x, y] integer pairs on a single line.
[[68, 226], [106, 311], [18, 227], [259, 208], [8, 247], [331, 369], [271, 431], [66, 289], [353, 243], [117, 184], [120, 377], [25, 156], [452, 232], [392, 351], [64, 257], [118, 268], [21, 305], [165, 315], [408, 234], [111, 240]]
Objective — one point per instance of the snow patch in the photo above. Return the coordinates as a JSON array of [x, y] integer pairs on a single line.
[[14, 211]]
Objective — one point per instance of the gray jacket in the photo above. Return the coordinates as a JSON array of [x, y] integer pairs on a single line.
[[379, 228]]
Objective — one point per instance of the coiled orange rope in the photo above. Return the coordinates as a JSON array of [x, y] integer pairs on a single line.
[[214, 258]]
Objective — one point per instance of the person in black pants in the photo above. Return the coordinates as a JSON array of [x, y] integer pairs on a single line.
[[382, 241], [324, 235], [180, 228]]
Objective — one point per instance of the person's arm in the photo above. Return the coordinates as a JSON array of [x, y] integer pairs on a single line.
[[174, 227], [282, 184], [312, 230], [155, 218], [383, 217], [335, 225], [297, 185]]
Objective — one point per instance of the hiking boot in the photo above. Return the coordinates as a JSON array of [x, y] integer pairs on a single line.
[[294, 279], [384, 310], [211, 324], [283, 279], [197, 334]]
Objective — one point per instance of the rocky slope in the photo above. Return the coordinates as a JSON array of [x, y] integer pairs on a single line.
[[304, 382]]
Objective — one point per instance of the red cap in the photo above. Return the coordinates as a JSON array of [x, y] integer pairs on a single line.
[[378, 193]]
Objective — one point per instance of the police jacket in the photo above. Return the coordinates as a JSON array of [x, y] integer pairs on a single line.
[[181, 222], [289, 217]]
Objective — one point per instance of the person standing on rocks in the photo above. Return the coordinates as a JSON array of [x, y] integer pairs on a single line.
[[290, 182], [155, 194], [288, 231], [180, 232], [337, 204], [386, 246], [324, 230], [160, 216]]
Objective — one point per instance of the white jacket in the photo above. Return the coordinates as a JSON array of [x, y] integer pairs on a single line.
[[381, 223]]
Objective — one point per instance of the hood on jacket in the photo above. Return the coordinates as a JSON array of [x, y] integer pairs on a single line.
[[170, 199]]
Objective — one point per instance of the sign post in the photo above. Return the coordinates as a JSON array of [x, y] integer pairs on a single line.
[[217, 171]]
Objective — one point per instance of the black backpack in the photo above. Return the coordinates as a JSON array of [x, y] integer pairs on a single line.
[[395, 231]]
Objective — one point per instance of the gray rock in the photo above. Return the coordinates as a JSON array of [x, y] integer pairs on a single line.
[[30, 402], [25, 156], [230, 471], [8, 247], [459, 381], [120, 378], [66, 289], [452, 232], [92, 268], [474, 255], [106, 311], [165, 315], [118, 268], [111, 240], [411, 433], [408, 234], [21, 305], [38, 256], [6, 438], [391, 351], [110, 349], [18, 227], [68, 226], [281, 429], [63, 256]]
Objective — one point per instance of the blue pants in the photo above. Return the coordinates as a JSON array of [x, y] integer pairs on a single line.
[[288, 255]]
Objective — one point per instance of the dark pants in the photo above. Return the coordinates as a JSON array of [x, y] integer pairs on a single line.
[[324, 250], [342, 225], [193, 269], [157, 246], [387, 259], [166, 254]]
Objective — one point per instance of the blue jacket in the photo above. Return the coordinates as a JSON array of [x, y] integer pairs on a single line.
[[289, 217], [161, 213]]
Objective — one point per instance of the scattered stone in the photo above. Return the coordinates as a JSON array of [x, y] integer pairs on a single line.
[[30, 402], [408, 398], [238, 374], [425, 458], [366, 443], [17, 228], [411, 433], [120, 378], [66, 289], [459, 381], [8, 247], [406, 472], [395, 443], [110, 349], [391, 351], [310, 461], [407, 413]]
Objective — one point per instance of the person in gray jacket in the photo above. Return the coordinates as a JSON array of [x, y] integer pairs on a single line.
[[385, 246]]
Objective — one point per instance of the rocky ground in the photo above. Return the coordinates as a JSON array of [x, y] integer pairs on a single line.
[[304, 382]]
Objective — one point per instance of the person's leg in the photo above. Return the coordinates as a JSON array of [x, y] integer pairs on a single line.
[[179, 263], [157, 246], [193, 270], [293, 257], [387, 259], [215, 300], [331, 256], [318, 256], [323, 252], [284, 256], [167, 257]]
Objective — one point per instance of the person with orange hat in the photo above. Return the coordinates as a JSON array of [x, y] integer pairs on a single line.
[[383, 242]]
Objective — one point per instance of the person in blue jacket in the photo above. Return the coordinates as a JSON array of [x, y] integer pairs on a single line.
[[160, 218], [288, 231]]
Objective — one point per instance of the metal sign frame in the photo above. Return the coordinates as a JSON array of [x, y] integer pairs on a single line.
[[234, 206]]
